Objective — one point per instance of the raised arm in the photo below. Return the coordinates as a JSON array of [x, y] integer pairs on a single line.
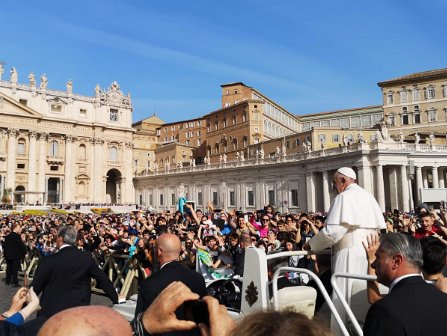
[[371, 247]]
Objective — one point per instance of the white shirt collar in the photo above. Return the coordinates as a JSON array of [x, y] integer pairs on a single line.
[[63, 246], [168, 262], [401, 278]]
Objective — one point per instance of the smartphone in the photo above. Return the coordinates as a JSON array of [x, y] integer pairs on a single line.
[[246, 218], [197, 311], [25, 280]]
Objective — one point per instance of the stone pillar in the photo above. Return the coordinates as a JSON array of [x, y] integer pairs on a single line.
[[441, 178], [69, 166], [1, 186], [405, 193], [98, 174], [310, 191], [380, 188], [32, 163], [46, 191], [394, 188], [326, 196], [425, 177], [364, 178], [419, 183], [42, 182], [11, 159], [127, 190], [435, 178]]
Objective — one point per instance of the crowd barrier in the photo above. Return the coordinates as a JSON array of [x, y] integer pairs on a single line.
[[125, 272]]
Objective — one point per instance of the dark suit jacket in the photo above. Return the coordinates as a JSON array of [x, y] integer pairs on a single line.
[[413, 307], [13, 247], [65, 280], [174, 271]]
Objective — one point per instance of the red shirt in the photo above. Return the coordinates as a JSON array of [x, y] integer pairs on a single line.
[[421, 233]]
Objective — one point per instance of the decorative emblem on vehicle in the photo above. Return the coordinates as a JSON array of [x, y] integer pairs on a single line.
[[251, 294]]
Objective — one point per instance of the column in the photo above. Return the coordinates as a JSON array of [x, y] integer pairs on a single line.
[[127, 191], [97, 166], [435, 178], [380, 188], [11, 159], [419, 183], [1, 187], [32, 163], [46, 191], [310, 191], [69, 165], [326, 196], [405, 194], [394, 188], [441, 178], [425, 178], [42, 182], [364, 178]]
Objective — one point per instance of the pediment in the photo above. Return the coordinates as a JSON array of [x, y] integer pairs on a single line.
[[13, 107], [57, 100]]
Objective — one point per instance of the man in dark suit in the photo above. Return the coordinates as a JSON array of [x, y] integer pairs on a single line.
[[14, 252], [65, 277], [412, 307], [168, 251]]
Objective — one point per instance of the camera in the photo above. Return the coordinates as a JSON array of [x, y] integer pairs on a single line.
[[197, 311]]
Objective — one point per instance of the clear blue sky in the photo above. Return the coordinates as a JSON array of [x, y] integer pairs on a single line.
[[172, 56]]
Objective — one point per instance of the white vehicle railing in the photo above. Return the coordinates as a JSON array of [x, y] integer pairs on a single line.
[[346, 306], [320, 285]]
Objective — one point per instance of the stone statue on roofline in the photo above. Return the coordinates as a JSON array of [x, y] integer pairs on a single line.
[[32, 80], [14, 76], [43, 82], [417, 138]]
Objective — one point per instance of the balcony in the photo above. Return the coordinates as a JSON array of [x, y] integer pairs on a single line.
[[114, 163], [55, 160]]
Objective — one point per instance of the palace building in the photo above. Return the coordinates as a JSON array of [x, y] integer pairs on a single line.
[[258, 153]]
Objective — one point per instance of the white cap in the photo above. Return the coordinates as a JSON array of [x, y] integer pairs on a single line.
[[348, 172]]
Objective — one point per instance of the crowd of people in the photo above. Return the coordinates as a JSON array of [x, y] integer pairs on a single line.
[[213, 241]]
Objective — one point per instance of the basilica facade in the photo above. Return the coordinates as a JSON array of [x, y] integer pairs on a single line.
[[60, 147]]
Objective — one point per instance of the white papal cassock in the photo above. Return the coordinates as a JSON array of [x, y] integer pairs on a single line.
[[354, 214]]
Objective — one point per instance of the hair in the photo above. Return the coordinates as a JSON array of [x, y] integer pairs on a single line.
[[321, 218], [234, 235], [434, 254], [425, 214], [403, 244], [283, 323], [68, 234], [246, 240], [15, 225]]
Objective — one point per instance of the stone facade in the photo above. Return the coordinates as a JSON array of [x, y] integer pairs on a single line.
[[288, 160], [57, 146]]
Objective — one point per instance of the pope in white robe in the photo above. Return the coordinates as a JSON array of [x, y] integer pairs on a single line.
[[354, 214]]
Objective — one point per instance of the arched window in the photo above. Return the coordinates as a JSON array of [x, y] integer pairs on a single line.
[[82, 152], [113, 154], [244, 117], [54, 148], [21, 146]]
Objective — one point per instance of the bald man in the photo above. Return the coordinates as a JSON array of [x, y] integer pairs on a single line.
[[168, 249], [87, 321]]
